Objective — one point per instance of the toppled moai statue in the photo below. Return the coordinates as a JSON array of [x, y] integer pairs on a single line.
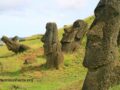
[[102, 56], [14, 46], [73, 36], [52, 47], [15, 39]]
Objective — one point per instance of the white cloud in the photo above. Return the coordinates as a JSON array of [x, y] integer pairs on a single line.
[[19, 16], [76, 4], [12, 4]]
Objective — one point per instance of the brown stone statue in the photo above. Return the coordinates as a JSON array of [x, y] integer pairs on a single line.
[[13, 45], [73, 36], [102, 56], [15, 39], [52, 47]]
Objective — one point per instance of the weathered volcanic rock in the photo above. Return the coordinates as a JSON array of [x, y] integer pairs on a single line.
[[102, 56], [15, 39], [73, 36], [118, 41], [52, 47], [14, 46]]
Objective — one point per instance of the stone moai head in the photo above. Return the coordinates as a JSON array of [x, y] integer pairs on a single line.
[[16, 39], [67, 36], [102, 55], [73, 35], [10, 44], [13, 45], [104, 28], [81, 27], [51, 35], [108, 8], [76, 31], [52, 47]]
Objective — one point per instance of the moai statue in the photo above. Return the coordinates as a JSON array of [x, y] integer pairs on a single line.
[[102, 56], [14, 46], [15, 39], [52, 47], [81, 27], [68, 38], [73, 35]]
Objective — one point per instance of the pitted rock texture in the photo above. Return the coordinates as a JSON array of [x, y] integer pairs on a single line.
[[102, 55], [73, 36], [13, 45], [52, 47]]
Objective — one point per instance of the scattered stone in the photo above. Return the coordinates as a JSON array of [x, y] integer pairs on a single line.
[[16, 87], [30, 59]]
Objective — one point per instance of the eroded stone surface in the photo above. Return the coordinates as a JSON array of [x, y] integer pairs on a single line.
[[14, 46], [73, 36], [52, 47], [102, 56]]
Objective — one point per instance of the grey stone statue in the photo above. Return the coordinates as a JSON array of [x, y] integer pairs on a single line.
[[102, 56], [52, 47], [73, 36]]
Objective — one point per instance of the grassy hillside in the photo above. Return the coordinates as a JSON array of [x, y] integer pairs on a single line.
[[44, 79], [71, 77]]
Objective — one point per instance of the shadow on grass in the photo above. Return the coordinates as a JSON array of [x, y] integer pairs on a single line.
[[7, 56], [34, 68], [77, 85], [11, 74], [25, 69]]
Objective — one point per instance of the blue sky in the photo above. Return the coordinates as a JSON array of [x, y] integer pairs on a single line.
[[29, 17]]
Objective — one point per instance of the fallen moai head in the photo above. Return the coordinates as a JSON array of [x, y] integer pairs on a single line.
[[14, 46], [16, 39]]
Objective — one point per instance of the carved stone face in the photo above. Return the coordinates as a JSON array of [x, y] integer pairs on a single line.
[[6, 40], [50, 27], [107, 9], [94, 50], [77, 24], [50, 38], [102, 55], [51, 34], [102, 38], [68, 35], [73, 31]]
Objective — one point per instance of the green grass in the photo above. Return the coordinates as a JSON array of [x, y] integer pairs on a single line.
[[72, 75], [44, 79], [89, 20], [115, 87]]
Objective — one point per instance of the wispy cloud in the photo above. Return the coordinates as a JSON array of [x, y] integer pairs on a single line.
[[12, 4], [19, 16], [74, 4]]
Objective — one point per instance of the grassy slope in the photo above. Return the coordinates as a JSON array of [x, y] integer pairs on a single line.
[[44, 79], [71, 77]]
